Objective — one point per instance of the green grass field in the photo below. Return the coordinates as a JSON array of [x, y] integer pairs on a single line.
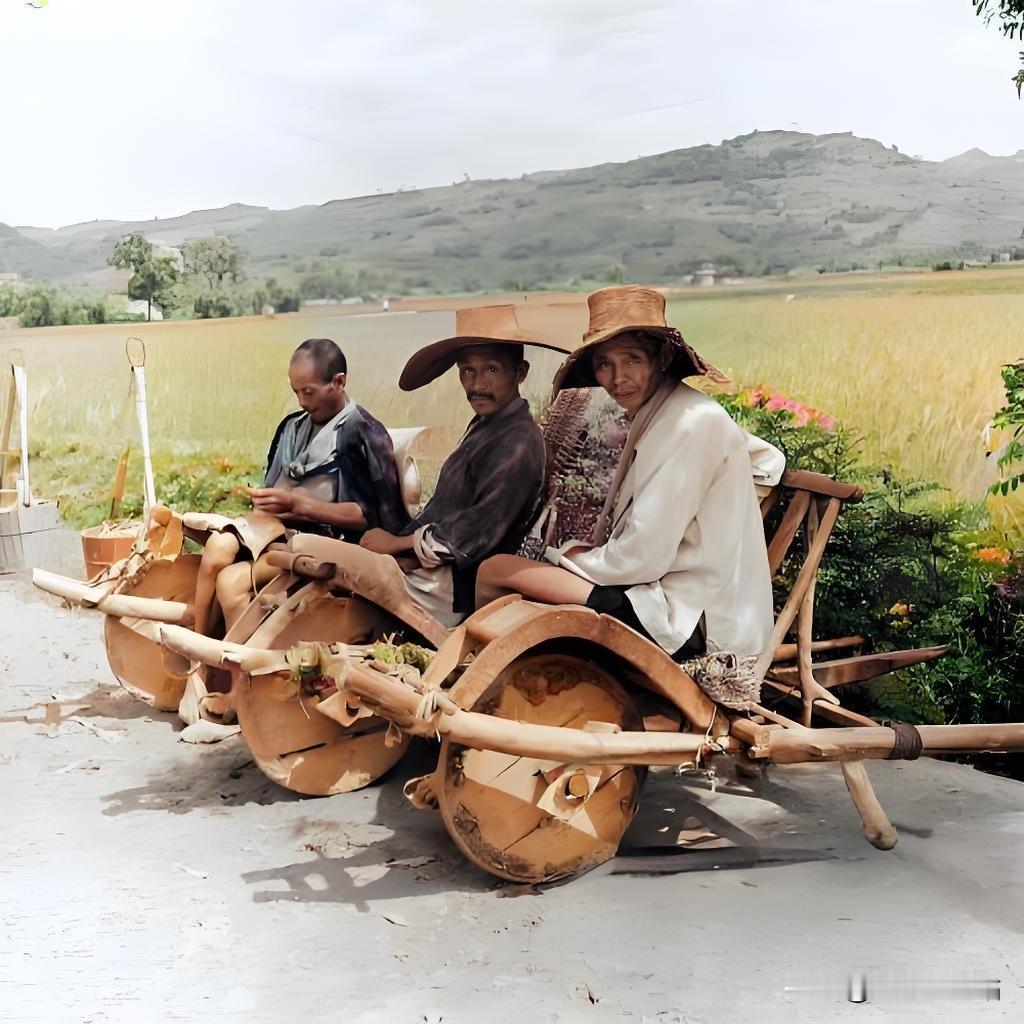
[[910, 361]]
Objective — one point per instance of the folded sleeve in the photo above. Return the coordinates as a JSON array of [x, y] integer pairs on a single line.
[[767, 463]]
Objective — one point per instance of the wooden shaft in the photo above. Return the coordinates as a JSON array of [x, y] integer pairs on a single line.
[[118, 605], [787, 652], [877, 828], [398, 702], [220, 653], [302, 565], [5, 438], [793, 746]]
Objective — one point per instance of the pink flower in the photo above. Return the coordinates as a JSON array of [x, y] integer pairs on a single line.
[[827, 422]]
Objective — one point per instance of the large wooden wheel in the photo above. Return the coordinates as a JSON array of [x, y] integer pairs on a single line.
[[292, 743], [489, 801], [141, 665]]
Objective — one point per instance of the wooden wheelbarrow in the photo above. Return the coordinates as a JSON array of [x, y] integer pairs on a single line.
[[334, 593], [547, 717]]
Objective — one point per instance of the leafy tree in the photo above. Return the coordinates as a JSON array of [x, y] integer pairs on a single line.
[[154, 282], [38, 307], [1009, 15], [283, 300], [212, 305], [132, 253], [42, 306], [153, 277], [213, 260]]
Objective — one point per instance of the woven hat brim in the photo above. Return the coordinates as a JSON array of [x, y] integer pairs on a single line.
[[576, 371], [429, 363]]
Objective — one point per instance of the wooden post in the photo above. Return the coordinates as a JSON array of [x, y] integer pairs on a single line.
[[810, 689], [803, 581], [877, 828]]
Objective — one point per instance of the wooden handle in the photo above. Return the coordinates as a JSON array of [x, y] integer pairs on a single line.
[[302, 565]]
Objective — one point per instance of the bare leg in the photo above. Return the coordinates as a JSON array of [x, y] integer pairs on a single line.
[[220, 551], [537, 580], [237, 583]]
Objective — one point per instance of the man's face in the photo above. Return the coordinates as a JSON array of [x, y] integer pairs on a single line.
[[323, 400], [490, 375], [626, 368]]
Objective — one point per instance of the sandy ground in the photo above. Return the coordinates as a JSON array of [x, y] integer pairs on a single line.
[[144, 879]]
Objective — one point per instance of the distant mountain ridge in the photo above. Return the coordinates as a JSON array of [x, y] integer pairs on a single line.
[[768, 201]]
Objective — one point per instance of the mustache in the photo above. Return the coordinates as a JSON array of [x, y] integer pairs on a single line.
[[480, 394]]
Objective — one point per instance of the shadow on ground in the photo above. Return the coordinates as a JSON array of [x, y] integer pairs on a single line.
[[397, 852], [199, 778], [355, 864]]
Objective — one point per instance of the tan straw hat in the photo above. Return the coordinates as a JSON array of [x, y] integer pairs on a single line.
[[483, 325], [630, 308]]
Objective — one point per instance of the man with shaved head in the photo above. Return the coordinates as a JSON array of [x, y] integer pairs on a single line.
[[330, 470]]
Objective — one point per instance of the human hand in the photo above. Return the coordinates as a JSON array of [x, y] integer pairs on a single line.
[[382, 542], [576, 550], [278, 501]]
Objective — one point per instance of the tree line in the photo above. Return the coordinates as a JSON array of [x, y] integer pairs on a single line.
[[207, 281]]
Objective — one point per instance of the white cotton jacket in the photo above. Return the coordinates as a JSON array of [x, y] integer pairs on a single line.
[[687, 537]]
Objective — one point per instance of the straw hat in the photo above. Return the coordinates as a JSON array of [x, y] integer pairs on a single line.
[[630, 308], [484, 325]]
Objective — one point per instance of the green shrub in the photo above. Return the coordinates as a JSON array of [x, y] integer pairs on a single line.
[[902, 569]]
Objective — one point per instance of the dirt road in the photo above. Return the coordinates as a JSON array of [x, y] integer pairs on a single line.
[[144, 879]]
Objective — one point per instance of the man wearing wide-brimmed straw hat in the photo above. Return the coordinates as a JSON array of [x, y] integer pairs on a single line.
[[678, 552], [488, 487]]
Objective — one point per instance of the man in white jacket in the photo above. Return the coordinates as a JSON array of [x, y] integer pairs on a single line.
[[679, 551]]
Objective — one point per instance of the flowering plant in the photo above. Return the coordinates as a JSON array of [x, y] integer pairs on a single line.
[[761, 397]]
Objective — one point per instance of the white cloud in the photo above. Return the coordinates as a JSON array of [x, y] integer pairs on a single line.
[[131, 109]]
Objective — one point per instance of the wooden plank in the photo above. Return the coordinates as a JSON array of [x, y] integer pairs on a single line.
[[784, 535], [818, 483], [862, 667]]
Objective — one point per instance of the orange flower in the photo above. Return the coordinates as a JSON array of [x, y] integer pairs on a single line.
[[900, 609], [994, 556]]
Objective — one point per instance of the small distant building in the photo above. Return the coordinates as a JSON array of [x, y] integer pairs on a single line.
[[9, 276], [1004, 257], [705, 277]]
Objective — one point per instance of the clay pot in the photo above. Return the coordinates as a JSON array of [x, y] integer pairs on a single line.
[[102, 547]]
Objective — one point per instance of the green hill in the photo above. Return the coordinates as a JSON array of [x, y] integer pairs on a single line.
[[766, 202]]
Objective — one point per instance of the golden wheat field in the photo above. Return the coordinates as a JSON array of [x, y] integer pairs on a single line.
[[909, 361]]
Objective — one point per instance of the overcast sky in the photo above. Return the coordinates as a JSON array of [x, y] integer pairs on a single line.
[[131, 109]]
